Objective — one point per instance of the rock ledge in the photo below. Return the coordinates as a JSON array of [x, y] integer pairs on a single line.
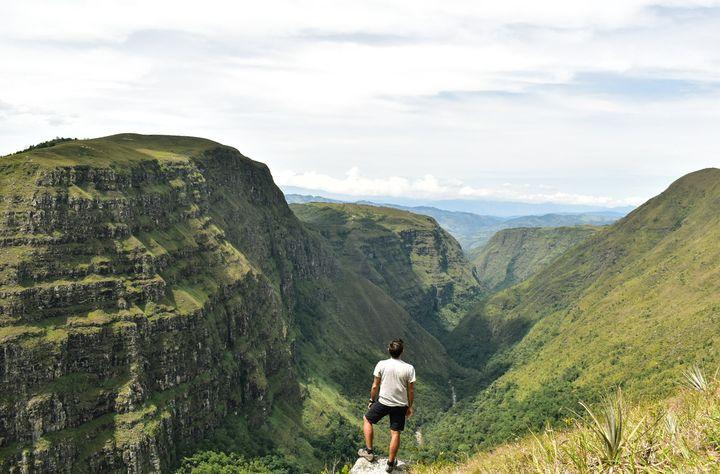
[[363, 466]]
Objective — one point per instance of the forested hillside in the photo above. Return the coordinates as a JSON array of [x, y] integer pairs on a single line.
[[512, 255], [631, 306]]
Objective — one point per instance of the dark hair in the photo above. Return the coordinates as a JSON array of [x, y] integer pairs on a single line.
[[395, 348]]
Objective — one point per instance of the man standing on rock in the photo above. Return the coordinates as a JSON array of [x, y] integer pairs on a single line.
[[392, 393]]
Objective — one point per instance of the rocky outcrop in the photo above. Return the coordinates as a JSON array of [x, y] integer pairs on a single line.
[[363, 466], [134, 284]]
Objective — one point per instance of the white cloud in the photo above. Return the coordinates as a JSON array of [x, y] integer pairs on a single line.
[[430, 187], [609, 98]]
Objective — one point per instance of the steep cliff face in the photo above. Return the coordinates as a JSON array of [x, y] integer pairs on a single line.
[[409, 255], [137, 275], [152, 286]]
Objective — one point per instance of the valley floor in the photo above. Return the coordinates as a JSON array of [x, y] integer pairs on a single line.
[[681, 434]]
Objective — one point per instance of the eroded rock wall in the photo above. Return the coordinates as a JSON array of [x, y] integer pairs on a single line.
[[132, 300]]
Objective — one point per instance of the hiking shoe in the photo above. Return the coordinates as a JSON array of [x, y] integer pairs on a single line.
[[367, 454], [391, 466]]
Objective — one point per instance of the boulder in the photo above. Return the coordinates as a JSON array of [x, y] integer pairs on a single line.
[[363, 466]]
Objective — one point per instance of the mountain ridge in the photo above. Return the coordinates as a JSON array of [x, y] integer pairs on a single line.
[[475, 206], [627, 307], [473, 230], [407, 254], [514, 254]]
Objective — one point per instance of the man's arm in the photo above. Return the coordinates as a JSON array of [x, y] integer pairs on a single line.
[[374, 390], [411, 398]]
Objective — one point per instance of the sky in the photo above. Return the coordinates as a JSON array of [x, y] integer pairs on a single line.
[[574, 102]]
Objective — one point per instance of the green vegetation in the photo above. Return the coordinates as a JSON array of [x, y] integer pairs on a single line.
[[627, 307], [513, 255], [45, 144], [211, 462], [681, 434], [117, 283], [163, 308], [160, 299], [473, 231], [408, 255]]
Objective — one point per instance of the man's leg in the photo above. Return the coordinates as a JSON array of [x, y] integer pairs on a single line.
[[368, 432], [394, 444]]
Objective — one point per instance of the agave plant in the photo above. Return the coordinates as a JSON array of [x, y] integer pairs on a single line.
[[696, 379], [609, 426]]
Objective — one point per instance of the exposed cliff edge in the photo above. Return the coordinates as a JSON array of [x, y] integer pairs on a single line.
[[152, 286]]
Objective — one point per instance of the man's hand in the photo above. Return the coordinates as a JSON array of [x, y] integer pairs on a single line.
[[411, 399], [374, 391]]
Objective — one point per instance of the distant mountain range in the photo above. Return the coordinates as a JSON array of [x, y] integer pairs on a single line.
[[473, 230], [306, 198], [475, 206]]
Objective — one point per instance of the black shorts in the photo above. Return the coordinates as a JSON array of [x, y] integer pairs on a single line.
[[377, 412]]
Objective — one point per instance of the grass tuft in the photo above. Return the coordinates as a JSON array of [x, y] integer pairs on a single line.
[[696, 378]]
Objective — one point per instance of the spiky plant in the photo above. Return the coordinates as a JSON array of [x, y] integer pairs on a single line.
[[609, 426], [696, 378]]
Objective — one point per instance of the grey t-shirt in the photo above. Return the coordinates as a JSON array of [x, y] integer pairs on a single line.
[[395, 376]]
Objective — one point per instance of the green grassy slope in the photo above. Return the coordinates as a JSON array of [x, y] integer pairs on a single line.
[[513, 255], [157, 295], [627, 307], [676, 435], [406, 254]]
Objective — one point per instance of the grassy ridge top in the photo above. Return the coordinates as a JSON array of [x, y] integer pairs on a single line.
[[395, 220], [119, 150]]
